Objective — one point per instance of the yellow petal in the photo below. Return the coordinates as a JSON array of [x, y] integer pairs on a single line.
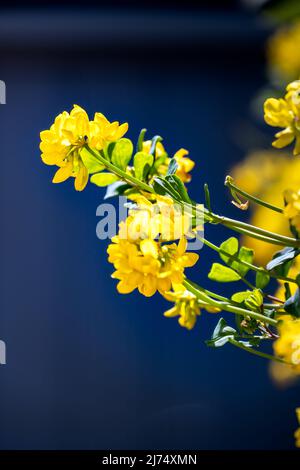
[[182, 245], [149, 286], [81, 179], [149, 247], [63, 173]]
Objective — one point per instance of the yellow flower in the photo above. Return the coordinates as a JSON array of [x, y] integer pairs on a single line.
[[185, 165], [161, 219], [148, 265], [292, 208], [287, 346], [62, 143], [103, 131], [297, 432], [186, 306], [267, 175], [283, 52], [285, 113]]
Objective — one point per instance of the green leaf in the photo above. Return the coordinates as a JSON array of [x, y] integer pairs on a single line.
[[252, 299], [221, 335], [240, 297], [116, 189], [139, 145], [292, 305], [121, 153], [104, 179], [142, 162], [222, 273], [262, 279], [178, 185], [173, 166], [231, 247], [255, 300], [282, 260], [90, 162], [245, 254], [109, 150], [162, 186]]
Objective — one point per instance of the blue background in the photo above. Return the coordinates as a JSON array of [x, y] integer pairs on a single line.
[[88, 368]]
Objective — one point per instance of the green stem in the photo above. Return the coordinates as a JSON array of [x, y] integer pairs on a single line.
[[122, 174], [244, 263], [254, 351], [255, 232], [240, 227], [236, 189], [226, 306], [209, 293]]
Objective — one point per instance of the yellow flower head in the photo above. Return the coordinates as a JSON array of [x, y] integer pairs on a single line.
[[186, 306], [292, 208], [285, 113], [283, 52], [287, 346], [147, 265], [158, 219], [62, 143]]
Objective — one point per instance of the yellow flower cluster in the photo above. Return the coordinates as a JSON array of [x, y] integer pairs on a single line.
[[61, 144], [148, 265], [185, 164], [287, 346], [285, 113], [159, 219], [283, 52], [292, 208]]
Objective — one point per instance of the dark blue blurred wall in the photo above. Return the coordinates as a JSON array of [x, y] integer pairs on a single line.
[[86, 367]]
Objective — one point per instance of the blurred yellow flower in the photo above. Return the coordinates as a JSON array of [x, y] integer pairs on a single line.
[[297, 432], [285, 113], [148, 265], [61, 144], [185, 165], [282, 375], [283, 52], [186, 306], [292, 208], [287, 346], [267, 174]]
